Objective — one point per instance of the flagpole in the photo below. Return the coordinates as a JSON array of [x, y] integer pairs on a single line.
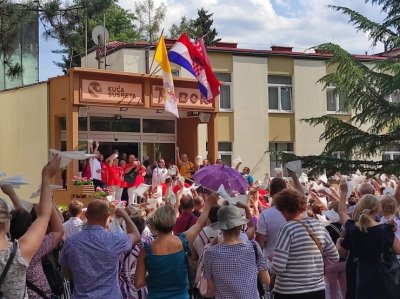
[[151, 65], [202, 37], [155, 71]]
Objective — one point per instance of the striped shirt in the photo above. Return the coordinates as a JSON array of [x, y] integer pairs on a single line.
[[297, 260]]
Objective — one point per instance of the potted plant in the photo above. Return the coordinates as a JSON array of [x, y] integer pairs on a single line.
[[81, 187]]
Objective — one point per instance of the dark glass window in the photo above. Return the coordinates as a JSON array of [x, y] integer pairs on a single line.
[[113, 124], [225, 146], [158, 126]]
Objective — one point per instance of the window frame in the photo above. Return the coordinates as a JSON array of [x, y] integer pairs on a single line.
[[337, 102], [229, 84], [175, 73], [389, 97], [279, 86], [280, 165]]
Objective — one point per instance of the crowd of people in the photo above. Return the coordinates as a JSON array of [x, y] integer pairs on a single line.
[[294, 237]]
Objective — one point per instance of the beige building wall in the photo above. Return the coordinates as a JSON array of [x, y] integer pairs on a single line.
[[250, 112], [24, 132], [309, 101]]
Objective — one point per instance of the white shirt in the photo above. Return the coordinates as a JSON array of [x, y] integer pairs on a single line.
[[72, 226], [269, 223], [96, 166], [173, 170], [159, 176]]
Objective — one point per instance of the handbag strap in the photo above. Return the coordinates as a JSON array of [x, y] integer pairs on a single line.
[[9, 262], [313, 236], [186, 252], [34, 288]]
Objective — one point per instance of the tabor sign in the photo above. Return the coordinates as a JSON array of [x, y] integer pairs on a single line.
[[189, 98], [108, 92]]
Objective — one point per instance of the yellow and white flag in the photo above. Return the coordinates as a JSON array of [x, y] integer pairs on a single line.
[[161, 56]]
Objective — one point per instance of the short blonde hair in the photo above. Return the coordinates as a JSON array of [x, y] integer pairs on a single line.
[[164, 219]]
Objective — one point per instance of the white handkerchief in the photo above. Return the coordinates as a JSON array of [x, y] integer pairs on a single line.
[[67, 156], [158, 194], [115, 227], [194, 187], [294, 166], [324, 201], [237, 160], [240, 198], [383, 177], [327, 190], [172, 198], [186, 192], [389, 191], [323, 219], [16, 181], [323, 178], [181, 179], [350, 189], [152, 203], [141, 189], [222, 192], [332, 215], [303, 178], [358, 172]]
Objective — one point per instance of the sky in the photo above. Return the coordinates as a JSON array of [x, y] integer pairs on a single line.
[[259, 24]]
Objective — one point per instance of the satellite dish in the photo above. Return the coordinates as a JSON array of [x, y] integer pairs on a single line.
[[100, 35]]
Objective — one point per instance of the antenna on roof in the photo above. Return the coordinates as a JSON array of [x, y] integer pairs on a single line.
[[100, 37]]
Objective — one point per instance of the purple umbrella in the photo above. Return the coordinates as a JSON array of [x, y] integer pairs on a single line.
[[213, 176]]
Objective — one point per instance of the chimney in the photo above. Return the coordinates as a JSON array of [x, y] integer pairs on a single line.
[[282, 48]]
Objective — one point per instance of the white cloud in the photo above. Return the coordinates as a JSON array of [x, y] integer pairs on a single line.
[[261, 23], [258, 24]]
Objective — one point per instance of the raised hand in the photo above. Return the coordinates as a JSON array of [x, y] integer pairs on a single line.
[[51, 168]]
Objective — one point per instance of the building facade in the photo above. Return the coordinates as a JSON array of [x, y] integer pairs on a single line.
[[264, 96]]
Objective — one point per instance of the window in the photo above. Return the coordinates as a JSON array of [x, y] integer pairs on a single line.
[[339, 155], [280, 93], [225, 88], [225, 150], [391, 153], [394, 97], [158, 126], [275, 162], [82, 123], [334, 100], [175, 73], [114, 124]]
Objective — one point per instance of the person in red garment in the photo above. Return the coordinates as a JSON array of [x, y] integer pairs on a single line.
[[113, 175]]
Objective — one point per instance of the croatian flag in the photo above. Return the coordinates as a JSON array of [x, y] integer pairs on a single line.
[[185, 54]]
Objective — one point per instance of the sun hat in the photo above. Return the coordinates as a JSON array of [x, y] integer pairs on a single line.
[[230, 217]]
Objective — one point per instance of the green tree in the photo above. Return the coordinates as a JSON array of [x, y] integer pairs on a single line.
[[149, 19], [203, 27], [66, 23], [375, 123], [184, 25], [197, 28]]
